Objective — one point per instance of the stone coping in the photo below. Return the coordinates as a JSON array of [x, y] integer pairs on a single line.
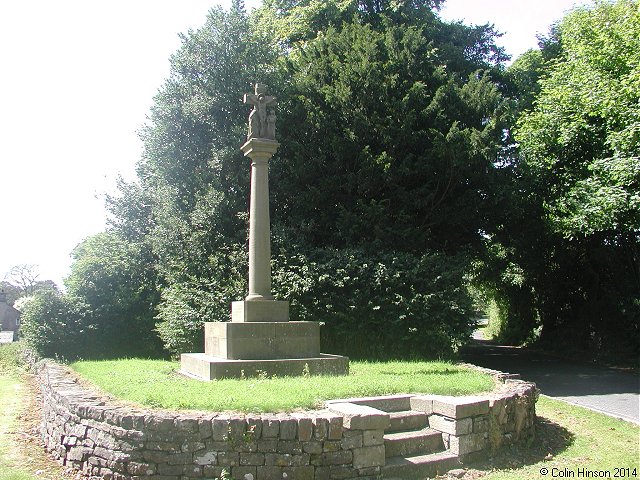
[[108, 439]]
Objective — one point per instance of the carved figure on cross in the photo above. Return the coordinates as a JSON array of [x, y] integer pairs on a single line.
[[261, 122]]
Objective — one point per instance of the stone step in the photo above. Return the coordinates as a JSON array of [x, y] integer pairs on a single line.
[[406, 420], [387, 403], [422, 441], [419, 466]]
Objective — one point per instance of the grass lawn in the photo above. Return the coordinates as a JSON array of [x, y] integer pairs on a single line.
[[156, 384], [567, 437], [570, 438], [21, 454], [10, 398]]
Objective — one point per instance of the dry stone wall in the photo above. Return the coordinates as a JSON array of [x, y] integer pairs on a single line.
[[472, 426], [108, 440], [117, 442]]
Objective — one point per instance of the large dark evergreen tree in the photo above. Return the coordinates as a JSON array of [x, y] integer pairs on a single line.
[[389, 120]]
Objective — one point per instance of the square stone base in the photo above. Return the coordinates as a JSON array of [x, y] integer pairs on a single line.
[[260, 311], [206, 367], [261, 340]]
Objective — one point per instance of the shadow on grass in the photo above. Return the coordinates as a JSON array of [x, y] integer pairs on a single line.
[[551, 440]]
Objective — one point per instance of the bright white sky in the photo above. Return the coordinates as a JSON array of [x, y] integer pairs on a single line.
[[76, 83]]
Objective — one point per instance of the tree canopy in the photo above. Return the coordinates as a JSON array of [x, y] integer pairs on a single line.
[[412, 164], [574, 225], [378, 102]]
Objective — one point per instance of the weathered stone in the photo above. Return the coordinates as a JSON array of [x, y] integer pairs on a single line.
[[252, 459], [460, 407], [102, 452], [179, 458], [220, 428], [298, 473], [211, 471], [243, 473], [499, 410], [422, 403], [186, 424], [218, 446], [245, 446], [331, 445], [369, 456], [270, 427], [354, 441], [254, 427], [372, 437], [192, 471], [335, 428], [70, 441], [188, 451], [452, 426], [141, 468], [288, 428], [312, 447], [77, 453], [305, 428], [322, 473], [228, 459], [480, 424], [361, 417], [205, 458], [289, 446], [159, 423], [320, 428], [340, 472], [201, 365], [332, 458], [163, 446], [237, 426], [267, 445], [286, 459], [204, 428], [165, 469], [468, 443]]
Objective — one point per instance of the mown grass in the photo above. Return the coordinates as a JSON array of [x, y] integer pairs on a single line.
[[21, 452], [567, 437], [570, 438], [10, 398], [156, 383]]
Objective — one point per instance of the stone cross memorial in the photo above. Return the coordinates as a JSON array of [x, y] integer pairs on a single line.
[[260, 339]]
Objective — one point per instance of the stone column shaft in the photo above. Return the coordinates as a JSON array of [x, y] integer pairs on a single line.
[[259, 151]]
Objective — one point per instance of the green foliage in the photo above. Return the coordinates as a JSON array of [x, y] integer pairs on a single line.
[[55, 326], [571, 226], [11, 358], [607, 200], [155, 383], [106, 312], [187, 304], [583, 137], [374, 119], [110, 278], [386, 304], [525, 73], [389, 123], [399, 304]]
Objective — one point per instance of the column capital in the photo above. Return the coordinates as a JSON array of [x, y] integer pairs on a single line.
[[259, 148]]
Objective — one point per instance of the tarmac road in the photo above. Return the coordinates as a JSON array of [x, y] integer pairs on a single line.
[[610, 391]]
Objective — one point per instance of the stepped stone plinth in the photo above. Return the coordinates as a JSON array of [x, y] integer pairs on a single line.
[[260, 339], [246, 349]]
